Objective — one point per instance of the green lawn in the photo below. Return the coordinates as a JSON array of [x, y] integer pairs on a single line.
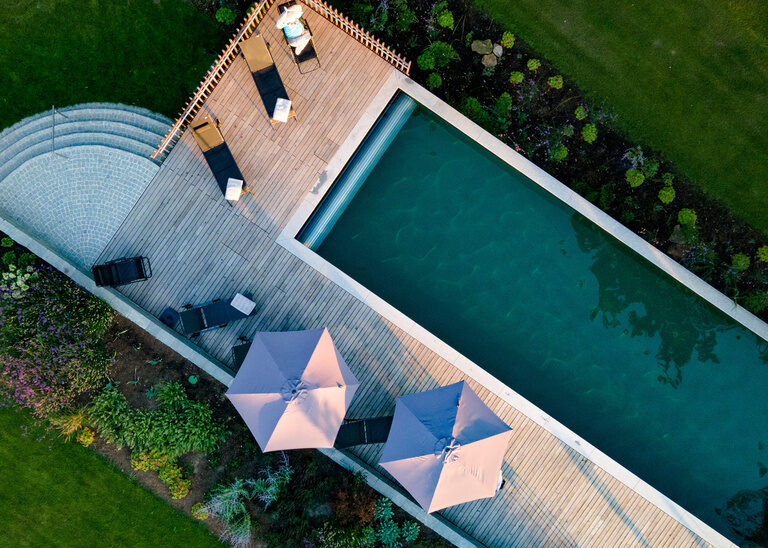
[[687, 77], [150, 53], [69, 496]]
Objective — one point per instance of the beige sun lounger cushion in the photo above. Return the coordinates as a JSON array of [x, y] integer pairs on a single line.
[[207, 134], [256, 53]]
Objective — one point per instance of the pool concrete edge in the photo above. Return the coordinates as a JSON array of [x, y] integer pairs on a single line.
[[399, 82]]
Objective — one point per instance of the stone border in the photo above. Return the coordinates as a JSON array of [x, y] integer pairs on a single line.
[[149, 323], [399, 82]]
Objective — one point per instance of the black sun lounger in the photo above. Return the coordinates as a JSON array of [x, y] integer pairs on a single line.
[[216, 152], [362, 432], [259, 60], [208, 316], [122, 271], [309, 53]]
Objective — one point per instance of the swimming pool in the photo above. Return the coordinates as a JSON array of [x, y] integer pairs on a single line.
[[557, 309]]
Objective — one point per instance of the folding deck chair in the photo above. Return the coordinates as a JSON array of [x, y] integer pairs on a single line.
[[122, 271], [309, 53], [363, 432]]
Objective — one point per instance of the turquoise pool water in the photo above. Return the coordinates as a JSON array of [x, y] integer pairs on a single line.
[[561, 312]]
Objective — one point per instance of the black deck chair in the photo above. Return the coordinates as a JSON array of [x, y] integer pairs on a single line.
[[216, 152], [257, 56], [122, 271], [208, 316], [363, 432], [309, 53]]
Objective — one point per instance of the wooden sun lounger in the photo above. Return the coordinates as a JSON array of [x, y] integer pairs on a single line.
[[256, 54], [309, 53], [216, 152]]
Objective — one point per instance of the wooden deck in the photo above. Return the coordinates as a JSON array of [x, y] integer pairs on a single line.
[[202, 248]]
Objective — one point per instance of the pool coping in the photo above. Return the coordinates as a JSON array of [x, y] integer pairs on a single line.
[[287, 239]]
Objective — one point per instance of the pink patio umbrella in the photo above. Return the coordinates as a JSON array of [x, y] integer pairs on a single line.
[[445, 446], [293, 389]]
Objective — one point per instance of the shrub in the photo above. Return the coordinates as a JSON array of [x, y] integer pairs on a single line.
[[687, 217], [533, 64], [227, 502], [667, 194], [180, 488], [9, 258], [389, 533], [634, 156], [555, 81], [6, 242], [445, 19], [471, 108], [755, 302], [740, 262], [567, 130], [516, 77], [507, 39], [667, 178], [26, 259], [762, 254], [650, 168], [405, 16], [580, 113], [434, 80], [85, 437], [442, 53], [199, 511], [108, 413], [226, 16], [559, 153], [269, 486], [468, 39], [426, 61], [635, 177], [503, 105], [589, 133], [172, 395]]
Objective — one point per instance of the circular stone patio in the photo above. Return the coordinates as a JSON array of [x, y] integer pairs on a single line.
[[76, 198]]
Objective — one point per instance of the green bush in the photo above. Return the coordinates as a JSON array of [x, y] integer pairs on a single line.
[[667, 194], [687, 217], [555, 81], [426, 61], [445, 19], [580, 113], [740, 262], [405, 16], [589, 133], [507, 39], [559, 153], [650, 168], [667, 178], [442, 53], [762, 254], [26, 259], [635, 177], [434, 80], [503, 106], [6, 242], [472, 109], [533, 64], [199, 511], [755, 302], [567, 130], [85, 437], [516, 77], [108, 413], [9, 258], [226, 16]]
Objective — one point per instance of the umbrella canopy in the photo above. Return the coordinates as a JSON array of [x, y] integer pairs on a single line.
[[445, 446], [293, 389]]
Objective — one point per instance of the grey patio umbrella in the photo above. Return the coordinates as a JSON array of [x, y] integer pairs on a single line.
[[445, 446], [293, 389]]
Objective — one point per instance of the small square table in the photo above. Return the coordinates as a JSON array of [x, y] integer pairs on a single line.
[[243, 304]]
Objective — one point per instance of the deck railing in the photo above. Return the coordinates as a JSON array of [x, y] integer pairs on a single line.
[[212, 77], [220, 66], [351, 28]]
